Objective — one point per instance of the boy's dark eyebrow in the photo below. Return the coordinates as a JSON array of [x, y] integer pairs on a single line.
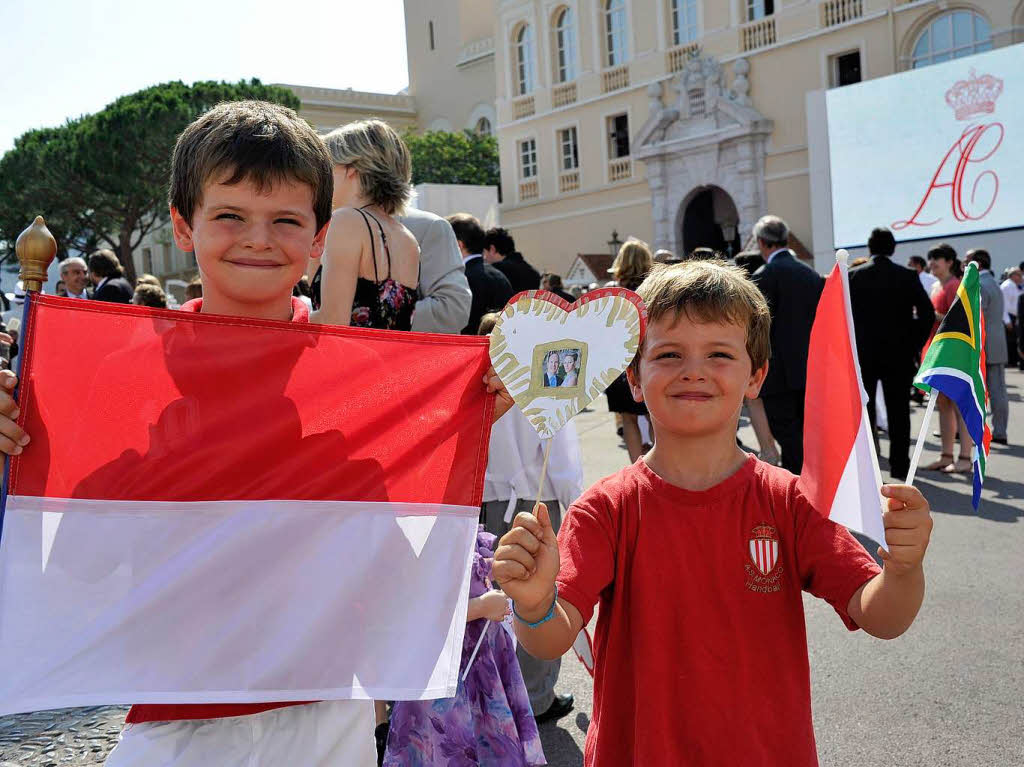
[[289, 212]]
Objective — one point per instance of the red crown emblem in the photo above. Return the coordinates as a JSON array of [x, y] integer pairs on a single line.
[[974, 96]]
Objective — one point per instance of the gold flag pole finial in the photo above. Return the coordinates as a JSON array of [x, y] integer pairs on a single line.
[[35, 248]]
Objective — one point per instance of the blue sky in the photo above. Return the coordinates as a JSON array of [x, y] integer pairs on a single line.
[[64, 58]]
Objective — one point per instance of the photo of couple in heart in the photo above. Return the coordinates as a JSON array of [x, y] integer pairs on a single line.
[[561, 369]]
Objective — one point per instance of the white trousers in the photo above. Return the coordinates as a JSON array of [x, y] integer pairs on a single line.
[[314, 734]]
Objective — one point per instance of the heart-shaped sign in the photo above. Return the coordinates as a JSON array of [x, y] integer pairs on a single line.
[[555, 358]]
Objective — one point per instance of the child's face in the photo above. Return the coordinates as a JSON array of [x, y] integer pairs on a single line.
[[251, 247], [694, 375]]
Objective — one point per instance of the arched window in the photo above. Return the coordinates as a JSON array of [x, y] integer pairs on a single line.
[[483, 127], [951, 36], [684, 21], [524, 60], [615, 32], [565, 46]]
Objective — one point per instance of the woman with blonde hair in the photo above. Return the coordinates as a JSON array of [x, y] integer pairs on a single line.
[[369, 270], [631, 265]]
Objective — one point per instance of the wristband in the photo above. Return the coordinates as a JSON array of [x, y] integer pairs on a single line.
[[545, 619]]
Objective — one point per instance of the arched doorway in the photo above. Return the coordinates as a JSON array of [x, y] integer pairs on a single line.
[[709, 220]]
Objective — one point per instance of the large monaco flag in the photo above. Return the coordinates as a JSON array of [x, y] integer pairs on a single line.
[[840, 476], [218, 509]]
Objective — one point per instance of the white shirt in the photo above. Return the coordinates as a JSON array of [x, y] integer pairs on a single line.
[[1011, 294], [517, 454], [467, 259], [775, 253], [928, 281], [83, 294]]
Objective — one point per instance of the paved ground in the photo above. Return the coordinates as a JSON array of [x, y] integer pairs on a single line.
[[947, 694]]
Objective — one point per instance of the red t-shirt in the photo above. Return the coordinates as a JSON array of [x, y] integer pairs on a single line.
[[164, 712], [700, 648]]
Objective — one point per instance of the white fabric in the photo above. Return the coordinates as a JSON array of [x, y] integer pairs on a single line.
[[1011, 294], [774, 253], [312, 735], [470, 257], [516, 456], [105, 602], [858, 503], [881, 414], [928, 281]]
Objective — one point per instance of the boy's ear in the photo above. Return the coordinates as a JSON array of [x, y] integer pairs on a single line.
[[756, 380], [182, 231], [634, 384], [317, 249]]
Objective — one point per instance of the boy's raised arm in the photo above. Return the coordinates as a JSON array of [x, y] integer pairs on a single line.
[[886, 605], [12, 437], [525, 565]]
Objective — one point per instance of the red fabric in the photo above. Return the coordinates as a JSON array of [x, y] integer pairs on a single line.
[[942, 299], [832, 400], [191, 407], [251, 409], [699, 659]]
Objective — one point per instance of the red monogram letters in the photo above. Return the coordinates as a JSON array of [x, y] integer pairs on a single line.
[[977, 144]]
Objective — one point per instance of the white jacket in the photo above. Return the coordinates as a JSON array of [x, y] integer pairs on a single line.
[[517, 455]]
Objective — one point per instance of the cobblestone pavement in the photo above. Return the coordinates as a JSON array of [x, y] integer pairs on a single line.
[[71, 736]]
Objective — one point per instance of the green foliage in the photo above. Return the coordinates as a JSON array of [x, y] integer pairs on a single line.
[[101, 180], [453, 158]]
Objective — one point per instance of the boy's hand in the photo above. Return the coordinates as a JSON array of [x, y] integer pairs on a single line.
[[494, 385], [908, 526], [526, 563], [494, 606], [12, 437]]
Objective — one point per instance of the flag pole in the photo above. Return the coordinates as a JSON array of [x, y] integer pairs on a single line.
[[543, 473], [925, 425], [35, 248]]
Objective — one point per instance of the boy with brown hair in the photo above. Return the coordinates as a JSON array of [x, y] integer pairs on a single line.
[[250, 195], [714, 671]]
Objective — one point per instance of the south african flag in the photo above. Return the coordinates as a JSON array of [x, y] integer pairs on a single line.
[[955, 366]]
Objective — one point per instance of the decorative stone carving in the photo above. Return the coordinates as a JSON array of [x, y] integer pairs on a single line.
[[712, 72], [714, 138], [740, 91], [654, 98]]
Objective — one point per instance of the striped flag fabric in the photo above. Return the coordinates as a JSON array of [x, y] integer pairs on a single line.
[[955, 366], [840, 475], [227, 510]]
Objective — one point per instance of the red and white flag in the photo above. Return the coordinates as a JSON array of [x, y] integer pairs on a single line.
[[840, 476], [218, 509]]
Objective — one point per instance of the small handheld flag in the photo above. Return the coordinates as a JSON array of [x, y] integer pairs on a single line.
[[955, 366], [840, 474]]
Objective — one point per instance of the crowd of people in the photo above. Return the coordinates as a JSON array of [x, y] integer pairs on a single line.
[[350, 252]]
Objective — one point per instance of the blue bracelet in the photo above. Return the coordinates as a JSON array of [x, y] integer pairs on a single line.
[[545, 619]]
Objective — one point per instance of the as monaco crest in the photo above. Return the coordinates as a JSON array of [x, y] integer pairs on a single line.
[[764, 548]]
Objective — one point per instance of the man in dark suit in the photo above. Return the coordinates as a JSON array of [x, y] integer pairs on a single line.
[[500, 252], [491, 289], [105, 272], [792, 290], [892, 317]]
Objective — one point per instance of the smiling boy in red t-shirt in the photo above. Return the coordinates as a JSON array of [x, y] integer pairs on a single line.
[[698, 554]]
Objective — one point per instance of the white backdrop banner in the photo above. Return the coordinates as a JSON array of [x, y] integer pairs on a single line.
[[934, 152]]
